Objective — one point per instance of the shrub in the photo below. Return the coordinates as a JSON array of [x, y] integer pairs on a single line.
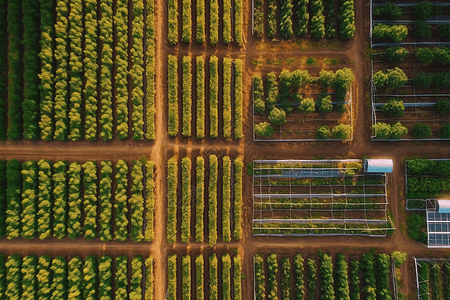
[[393, 78], [226, 97], [187, 93], [325, 105], [172, 277], [226, 30], [238, 21], [330, 24], [423, 10], [105, 199], [173, 21], [386, 131], [213, 96], [307, 105], [444, 30], [272, 91], [173, 96], [341, 132], [213, 278], [137, 70], [186, 199], [121, 201], [187, 21], [421, 131], [264, 129], [422, 30], [396, 53], [212, 201], [444, 132], [442, 55], [74, 226], [137, 201], [200, 29], [277, 116], [226, 199], [199, 198], [260, 278], [200, 80], [346, 19], [394, 32], [323, 132], [238, 167], [442, 106], [425, 55], [186, 277], [213, 22], [393, 107], [311, 274], [238, 99], [172, 175], [258, 94], [302, 17], [424, 80], [392, 11]]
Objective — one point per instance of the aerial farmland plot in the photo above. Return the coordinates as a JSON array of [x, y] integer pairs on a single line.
[[224, 149]]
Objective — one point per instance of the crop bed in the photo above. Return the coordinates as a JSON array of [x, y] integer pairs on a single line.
[[410, 79], [432, 278]]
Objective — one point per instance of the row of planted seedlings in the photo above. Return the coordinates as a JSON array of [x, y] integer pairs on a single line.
[[43, 199], [287, 18], [296, 105], [223, 178], [425, 179], [204, 276], [68, 95], [231, 98], [434, 279], [285, 277], [104, 277], [232, 21]]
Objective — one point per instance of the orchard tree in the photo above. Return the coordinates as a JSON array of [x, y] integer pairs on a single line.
[[423, 80], [307, 105], [397, 130], [396, 78], [393, 107], [382, 130], [263, 129], [323, 132], [380, 79], [442, 106], [444, 30], [444, 132], [423, 10], [341, 132], [441, 80], [277, 116], [421, 131], [395, 53], [325, 105], [327, 78], [425, 55], [442, 55], [422, 30]]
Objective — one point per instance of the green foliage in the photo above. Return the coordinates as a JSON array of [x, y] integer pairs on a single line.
[[187, 21], [172, 277], [302, 17], [200, 23], [323, 132], [368, 271], [136, 278], [200, 81], [422, 30], [258, 12], [272, 18], [226, 97], [342, 289], [382, 275], [121, 202], [212, 201], [442, 55], [173, 21], [199, 198], [311, 275], [226, 30], [442, 106], [393, 78], [226, 277], [186, 199], [172, 176], [121, 62], [354, 280], [121, 278], [172, 93], [272, 271], [330, 24], [137, 70], [325, 105], [3, 202], [285, 279], [307, 105], [424, 288], [151, 70], [74, 226], [260, 278], [238, 202], [346, 19], [425, 55], [226, 199], [105, 197], [424, 80], [272, 91], [199, 280], [326, 277], [43, 277], [59, 276], [213, 96], [4, 66], [396, 53], [149, 278], [317, 19], [13, 277], [105, 277], [444, 132], [286, 19], [187, 94], [29, 280], [90, 273], [186, 277], [264, 129], [341, 132], [13, 198], [60, 186], [237, 277], [299, 279], [238, 21], [423, 10], [393, 107], [421, 131], [150, 201], [29, 197], [213, 22], [386, 131], [90, 199], [74, 279], [390, 10], [238, 98], [258, 94], [137, 201], [277, 116], [396, 33], [213, 278], [444, 30]]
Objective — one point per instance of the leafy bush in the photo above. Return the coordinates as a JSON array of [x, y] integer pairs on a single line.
[[342, 290], [199, 198], [226, 97], [200, 81], [213, 96], [213, 278], [368, 271], [172, 95], [444, 132], [137, 201], [213, 22], [258, 94], [186, 199], [187, 94], [307, 105], [272, 18], [324, 103], [442, 106], [105, 197], [238, 99], [442, 55], [186, 277], [444, 30], [422, 30], [277, 116], [260, 278], [90, 199], [421, 131], [326, 277], [394, 32], [264, 129], [346, 19], [200, 23], [395, 53], [212, 201], [172, 277], [424, 80], [311, 275], [341, 132], [393, 78], [173, 21], [137, 70], [425, 55], [354, 280], [187, 21], [258, 15], [386, 131], [423, 10], [285, 279], [226, 277], [323, 132], [172, 182], [390, 10], [302, 17], [393, 107], [226, 199]]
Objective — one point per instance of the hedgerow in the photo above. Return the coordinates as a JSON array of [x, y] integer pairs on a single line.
[[213, 22], [394, 32], [173, 21], [173, 96], [59, 199], [44, 199], [311, 275], [272, 18], [237, 277], [29, 195], [186, 277], [187, 21], [213, 96], [136, 278], [3, 199], [150, 201], [226, 277], [187, 94], [226, 30], [74, 226], [137, 201], [200, 23], [330, 24], [90, 200], [226, 97], [121, 278], [105, 277], [302, 17], [200, 81], [186, 199], [199, 198], [238, 22], [272, 271], [238, 99], [212, 201], [299, 277], [226, 199], [150, 71], [199, 281], [149, 278], [213, 278], [121, 201], [172, 176], [105, 197], [260, 278], [286, 19]]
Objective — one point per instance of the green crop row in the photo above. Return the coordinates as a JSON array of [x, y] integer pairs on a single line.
[[187, 21], [150, 201], [272, 271], [330, 24], [186, 199], [136, 278], [213, 96], [199, 278], [227, 97], [272, 19], [354, 282], [212, 200], [149, 279], [213, 278], [173, 21], [285, 279], [368, 271], [342, 289], [346, 19], [227, 21], [172, 277], [4, 63], [187, 94], [137, 201], [286, 30], [172, 182], [326, 277], [213, 22], [258, 12], [238, 21], [238, 99], [90, 199], [226, 276], [28, 215], [151, 70], [44, 199], [302, 18], [173, 95], [186, 277], [121, 278], [260, 278], [200, 29], [199, 198], [74, 226], [121, 201], [200, 81], [383, 264], [299, 277], [226, 199], [105, 196]]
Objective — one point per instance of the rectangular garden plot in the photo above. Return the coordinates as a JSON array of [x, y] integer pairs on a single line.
[[318, 197], [410, 82], [297, 106], [432, 278]]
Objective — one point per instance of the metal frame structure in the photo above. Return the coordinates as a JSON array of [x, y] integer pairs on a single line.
[[419, 279], [320, 207], [373, 91]]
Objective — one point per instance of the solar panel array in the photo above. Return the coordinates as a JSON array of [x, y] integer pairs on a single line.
[[438, 228]]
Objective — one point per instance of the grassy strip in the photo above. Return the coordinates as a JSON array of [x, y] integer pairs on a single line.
[[186, 199], [226, 97], [187, 94], [172, 182], [238, 99], [212, 200], [226, 199], [173, 96], [213, 96]]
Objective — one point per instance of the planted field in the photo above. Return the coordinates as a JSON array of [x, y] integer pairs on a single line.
[[296, 106], [75, 278], [315, 197], [231, 24], [433, 276], [73, 100], [60, 199], [293, 277], [220, 274], [194, 118], [289, 19], [199, 207], [410, 83]]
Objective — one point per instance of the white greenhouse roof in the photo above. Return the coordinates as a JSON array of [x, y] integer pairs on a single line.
[[378, 166], [443, 206]]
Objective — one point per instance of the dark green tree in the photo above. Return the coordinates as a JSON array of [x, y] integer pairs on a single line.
[[263, 129], [423, 80], [394, 107], [395, 53], [444, 132], [425, 55], [422, 30], [423, 10], [421, 131], [341, 131]]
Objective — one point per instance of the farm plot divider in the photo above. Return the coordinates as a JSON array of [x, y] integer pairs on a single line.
[[223, 178], [318, 197], [231, 99], [76, 278], [408, 101], [60, 199]]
